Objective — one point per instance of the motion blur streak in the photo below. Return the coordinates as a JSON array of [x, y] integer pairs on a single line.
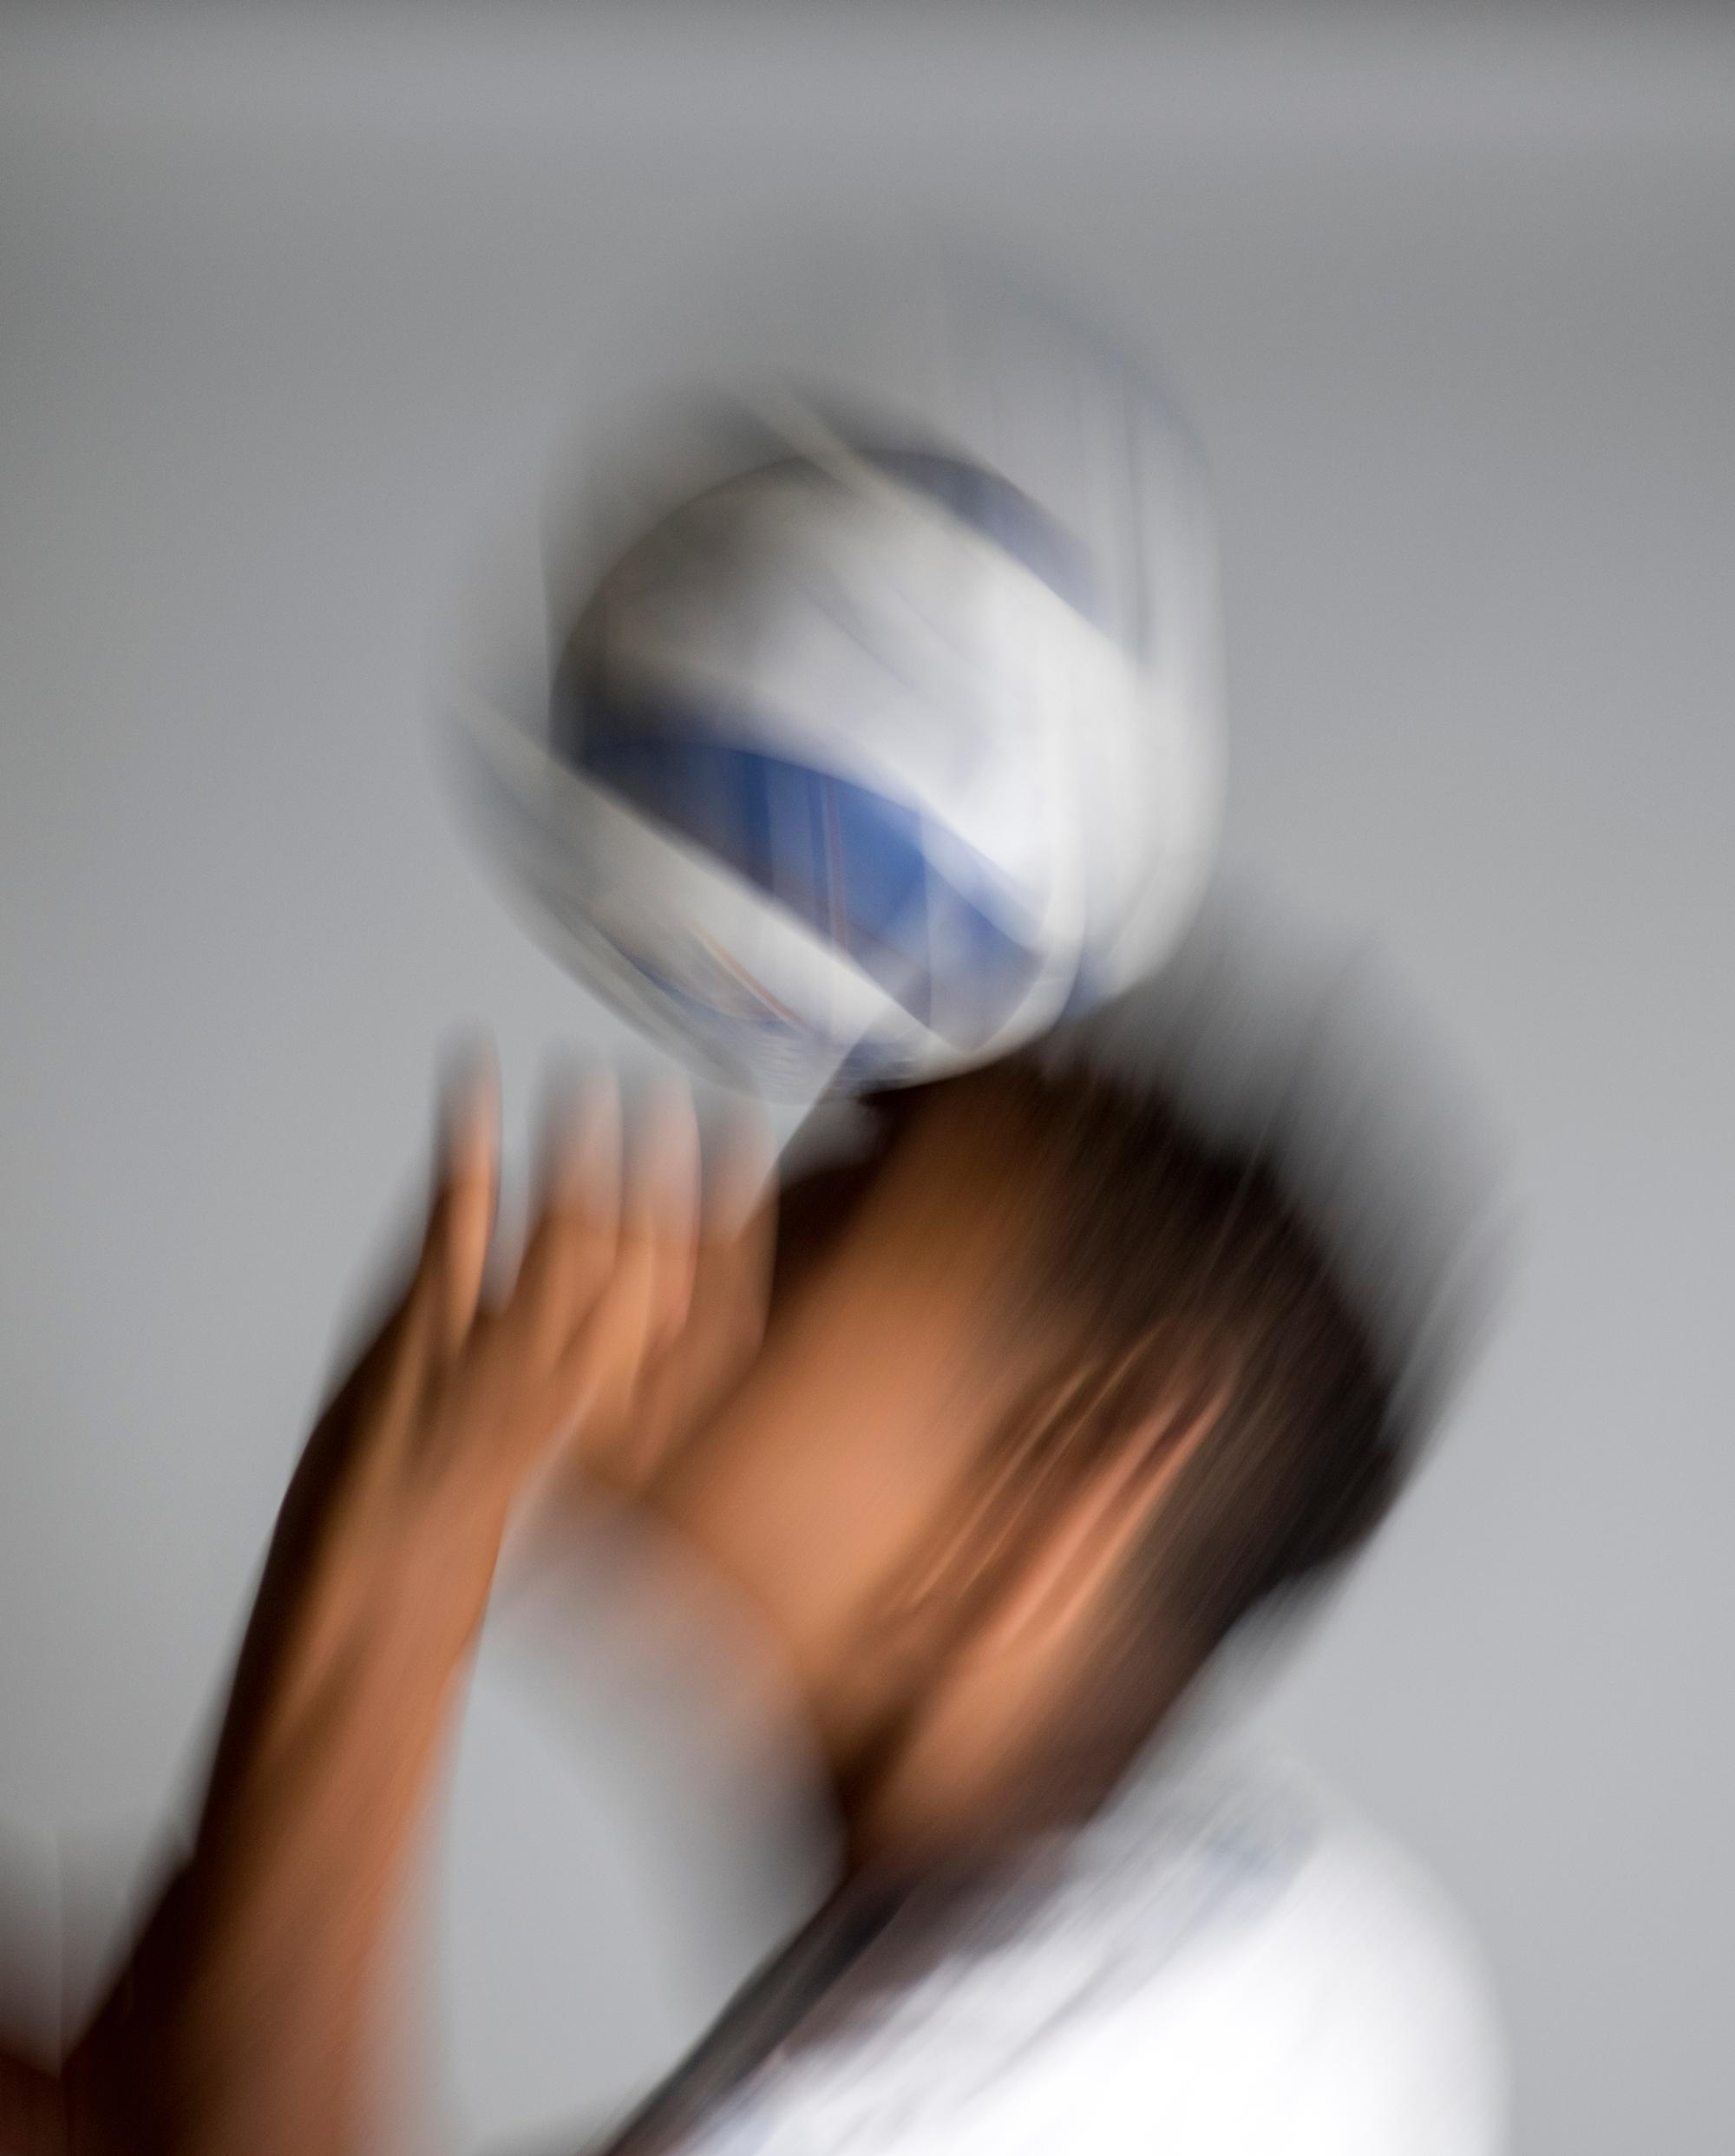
[[294, 314]]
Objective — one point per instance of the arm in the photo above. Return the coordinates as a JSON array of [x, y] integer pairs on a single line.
[[247, 2019]]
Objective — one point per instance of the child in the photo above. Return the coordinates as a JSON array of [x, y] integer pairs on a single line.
[[1046, 1396]]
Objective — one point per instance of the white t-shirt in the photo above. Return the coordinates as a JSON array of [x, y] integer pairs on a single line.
[[1224, 1964]]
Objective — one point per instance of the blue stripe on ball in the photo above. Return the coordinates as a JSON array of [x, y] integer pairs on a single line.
[[846, 862], [1000, 511]]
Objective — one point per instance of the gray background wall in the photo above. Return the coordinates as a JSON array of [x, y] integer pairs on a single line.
[[284, 302]]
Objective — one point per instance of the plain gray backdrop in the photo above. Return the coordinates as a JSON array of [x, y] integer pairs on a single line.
[[286, 300]]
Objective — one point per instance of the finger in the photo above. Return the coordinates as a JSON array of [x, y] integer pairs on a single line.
[[660, 1225], [584, 1173], [598, 1379], [737, 1240], [572, 1248], [741, 1201], [460, 1219], [649, 1290], [731, 1280]]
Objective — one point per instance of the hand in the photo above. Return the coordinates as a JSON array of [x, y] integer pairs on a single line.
[[626, 1311], [652, 1403], [246, 2012]]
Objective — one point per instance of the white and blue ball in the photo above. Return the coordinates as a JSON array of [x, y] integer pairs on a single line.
[[860, 766]]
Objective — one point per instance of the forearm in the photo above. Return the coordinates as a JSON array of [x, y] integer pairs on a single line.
[[248, 2018]]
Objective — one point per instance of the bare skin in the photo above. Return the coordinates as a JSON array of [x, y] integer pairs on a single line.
[[906, 1494], [247, 2016]]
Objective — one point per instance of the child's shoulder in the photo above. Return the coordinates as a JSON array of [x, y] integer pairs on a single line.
[[1324, 1972]]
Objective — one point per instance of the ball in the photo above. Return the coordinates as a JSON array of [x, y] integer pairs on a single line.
[[860, 761]]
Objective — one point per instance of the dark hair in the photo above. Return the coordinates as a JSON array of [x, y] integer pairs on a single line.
[[1153, 1229]]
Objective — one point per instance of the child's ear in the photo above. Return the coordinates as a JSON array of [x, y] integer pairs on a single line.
[[1071, 1484], [1013, 1486], [1102, 1515]]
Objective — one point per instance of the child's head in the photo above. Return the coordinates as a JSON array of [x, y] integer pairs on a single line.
[[1054, 1393]]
